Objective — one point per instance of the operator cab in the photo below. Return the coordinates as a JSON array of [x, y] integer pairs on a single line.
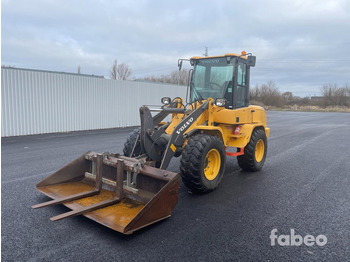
[[222, 77]]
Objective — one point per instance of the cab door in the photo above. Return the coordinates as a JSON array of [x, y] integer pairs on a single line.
[[241, 90]]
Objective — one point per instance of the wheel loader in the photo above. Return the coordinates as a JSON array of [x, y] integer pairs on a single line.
[[129, 191]]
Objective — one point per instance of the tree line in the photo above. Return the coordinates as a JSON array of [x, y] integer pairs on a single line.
[[334, 95], [118, 71], [123, 72], [268, 94], [177, 77], [265, 94]]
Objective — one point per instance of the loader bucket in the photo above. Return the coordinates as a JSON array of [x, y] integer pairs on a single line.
[[124, 194]]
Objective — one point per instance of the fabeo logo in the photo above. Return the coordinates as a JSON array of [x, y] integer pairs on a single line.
[[188, 122], [296, 240]]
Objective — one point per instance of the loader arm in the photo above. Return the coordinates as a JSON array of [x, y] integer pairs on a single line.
[[177, 138], [155, 142]]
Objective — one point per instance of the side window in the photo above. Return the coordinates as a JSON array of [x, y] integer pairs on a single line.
[[241, 93], [241, 74]]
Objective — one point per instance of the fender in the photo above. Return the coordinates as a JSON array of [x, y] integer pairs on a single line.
[[211, 130], [245, 133], [239, 141]]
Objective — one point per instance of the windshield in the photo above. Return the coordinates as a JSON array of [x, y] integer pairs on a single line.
[[211, 77]]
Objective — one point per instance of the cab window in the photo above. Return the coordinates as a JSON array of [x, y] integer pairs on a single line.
[[241, 93]]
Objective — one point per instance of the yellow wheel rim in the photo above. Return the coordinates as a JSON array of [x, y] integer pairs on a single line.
[[259, 150], [212, 164]]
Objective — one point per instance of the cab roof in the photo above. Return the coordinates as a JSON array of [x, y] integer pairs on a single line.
[[242, 55]]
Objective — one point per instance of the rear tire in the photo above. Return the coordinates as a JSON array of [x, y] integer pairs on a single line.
[[130, 142], [203, 163], [254, 152]]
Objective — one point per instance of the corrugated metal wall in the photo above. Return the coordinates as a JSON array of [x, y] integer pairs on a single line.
[[37, 102]]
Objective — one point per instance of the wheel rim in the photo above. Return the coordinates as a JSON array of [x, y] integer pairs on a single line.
[[212, 164], [259, 150]]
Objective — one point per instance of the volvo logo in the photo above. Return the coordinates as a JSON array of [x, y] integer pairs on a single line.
[[184, 126]]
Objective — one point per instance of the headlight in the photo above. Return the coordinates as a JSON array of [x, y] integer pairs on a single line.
[[166, 100], [220, 102]]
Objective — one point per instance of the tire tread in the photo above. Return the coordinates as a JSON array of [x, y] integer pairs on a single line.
[[129, 144], [190, 162], [247, 161]]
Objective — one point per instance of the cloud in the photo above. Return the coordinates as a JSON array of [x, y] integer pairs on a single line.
[[299, 44]]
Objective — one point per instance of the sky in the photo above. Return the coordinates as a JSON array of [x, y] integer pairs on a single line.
[[301, 45]]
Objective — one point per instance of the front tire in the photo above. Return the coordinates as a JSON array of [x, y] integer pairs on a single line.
[[203, 163], [254, 152], [130, 142]]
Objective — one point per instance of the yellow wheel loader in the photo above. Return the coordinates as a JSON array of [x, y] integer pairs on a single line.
[[130, 191]]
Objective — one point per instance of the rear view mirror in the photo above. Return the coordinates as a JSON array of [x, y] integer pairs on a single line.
[[179, 63], [251, 60]]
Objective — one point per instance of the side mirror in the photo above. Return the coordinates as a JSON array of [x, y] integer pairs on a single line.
[[179, 64], [251, 60]]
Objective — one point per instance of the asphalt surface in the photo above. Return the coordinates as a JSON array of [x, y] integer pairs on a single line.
[[304, 186]]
